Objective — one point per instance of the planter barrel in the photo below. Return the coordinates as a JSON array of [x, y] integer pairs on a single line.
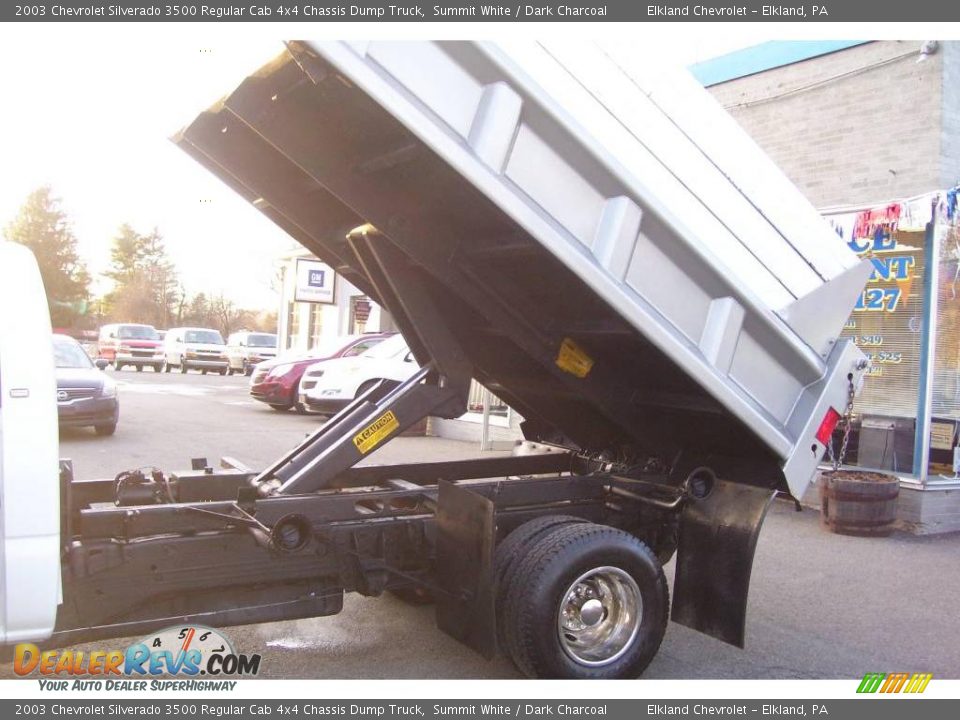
[[858, 503]]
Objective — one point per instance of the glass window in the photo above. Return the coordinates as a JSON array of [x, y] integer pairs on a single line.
[[886, 325], [293, 324], [261, 340], [210, 337], [67, 353], [392, 346], [316, 324], [945, 406], [137, 332]]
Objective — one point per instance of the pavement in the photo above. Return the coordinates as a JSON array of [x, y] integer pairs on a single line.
[[821, 605]]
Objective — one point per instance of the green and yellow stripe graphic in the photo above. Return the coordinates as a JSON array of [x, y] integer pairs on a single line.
[[894, 682]]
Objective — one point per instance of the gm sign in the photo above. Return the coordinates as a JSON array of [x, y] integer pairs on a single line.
[[316, 282], [316, 278]]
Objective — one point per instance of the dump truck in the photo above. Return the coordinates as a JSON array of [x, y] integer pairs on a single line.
[[587, 235]]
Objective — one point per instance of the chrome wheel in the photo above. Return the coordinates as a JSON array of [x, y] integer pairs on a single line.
[[599, 616]]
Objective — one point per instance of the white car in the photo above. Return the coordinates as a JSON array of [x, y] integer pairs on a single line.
[[330, 385], [202, 349]]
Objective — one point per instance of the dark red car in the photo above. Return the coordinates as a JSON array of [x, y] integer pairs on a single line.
[[275, 381]]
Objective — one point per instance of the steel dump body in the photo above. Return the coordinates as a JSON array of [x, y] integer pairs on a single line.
[[613, 256]]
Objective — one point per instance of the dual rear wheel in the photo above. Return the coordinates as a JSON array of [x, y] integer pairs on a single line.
[[579, 600]]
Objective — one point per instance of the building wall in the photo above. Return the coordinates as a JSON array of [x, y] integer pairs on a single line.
[[855, 126], [950, 109], [334, 319]]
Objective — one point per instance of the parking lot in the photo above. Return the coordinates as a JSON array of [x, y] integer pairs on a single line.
[[821, 605]]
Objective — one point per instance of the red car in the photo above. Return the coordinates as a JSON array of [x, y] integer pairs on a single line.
[[275, 381]]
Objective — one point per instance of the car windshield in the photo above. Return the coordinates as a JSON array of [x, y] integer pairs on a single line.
[[67, 353], [262, 340], [137, 332], [210, 337], [387, 349], [329, 345]]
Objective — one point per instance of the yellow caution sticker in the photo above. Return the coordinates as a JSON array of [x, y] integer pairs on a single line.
[[375, 433], [574, 359]]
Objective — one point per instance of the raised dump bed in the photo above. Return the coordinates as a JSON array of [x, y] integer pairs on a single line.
[[600, 242]]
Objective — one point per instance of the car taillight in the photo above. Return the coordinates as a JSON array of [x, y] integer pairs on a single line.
[[827, 426]]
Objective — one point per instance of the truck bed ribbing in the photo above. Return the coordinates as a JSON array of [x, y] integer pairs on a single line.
[[614, 256]]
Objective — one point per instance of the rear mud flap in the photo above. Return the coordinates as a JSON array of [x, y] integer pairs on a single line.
[[465, 539], [718, 537]]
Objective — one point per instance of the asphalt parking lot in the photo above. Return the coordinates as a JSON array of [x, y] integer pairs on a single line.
[[821, 605]]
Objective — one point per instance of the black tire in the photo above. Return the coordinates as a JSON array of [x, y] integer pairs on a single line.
[[281, 408], [157, 368], [513, 548], [248, 370], [167, 366], [576, 556], [183, 365], [139, 368], [224, 372], [105, 429], [203, 371], [118, 367], [300, 408], [414, 595]]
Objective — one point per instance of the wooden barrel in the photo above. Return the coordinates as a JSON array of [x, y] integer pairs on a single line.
[[858, 503]]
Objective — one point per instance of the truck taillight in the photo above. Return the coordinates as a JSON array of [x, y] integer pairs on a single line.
[[827, 425]]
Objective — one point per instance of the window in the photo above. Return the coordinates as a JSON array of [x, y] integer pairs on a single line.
[[886, 324], [315, 324], [945, 406], [293, 324]]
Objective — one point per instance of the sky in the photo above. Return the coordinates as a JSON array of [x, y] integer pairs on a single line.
[[91, 114]]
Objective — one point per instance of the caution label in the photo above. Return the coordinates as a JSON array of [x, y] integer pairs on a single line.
[[375, 433], [574, 359]]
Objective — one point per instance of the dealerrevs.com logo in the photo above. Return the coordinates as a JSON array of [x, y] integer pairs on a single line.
[[179, 651]]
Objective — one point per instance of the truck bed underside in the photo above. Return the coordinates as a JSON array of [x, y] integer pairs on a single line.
[[512, 308]]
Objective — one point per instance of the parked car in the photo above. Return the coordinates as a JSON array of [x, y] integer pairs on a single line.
[[246, 349], [202, 349], [85, 395], [275, 382], [331, 385], [130, 344]]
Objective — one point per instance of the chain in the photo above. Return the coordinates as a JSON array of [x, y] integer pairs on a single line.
[[847, 420]]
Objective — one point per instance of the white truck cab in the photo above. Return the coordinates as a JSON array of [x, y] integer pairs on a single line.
[[29, 449]]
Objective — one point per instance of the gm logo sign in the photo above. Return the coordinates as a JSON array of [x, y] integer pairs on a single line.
[[316, 278], [894, 682]]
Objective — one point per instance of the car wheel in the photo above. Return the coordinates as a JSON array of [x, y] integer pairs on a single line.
[[513, 549], [166, 366], [139, 368], [300, 408], [224, 372], [105, 429], [281, 408], [589, 601], [118, 367], [183, 366], [158, 367]]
